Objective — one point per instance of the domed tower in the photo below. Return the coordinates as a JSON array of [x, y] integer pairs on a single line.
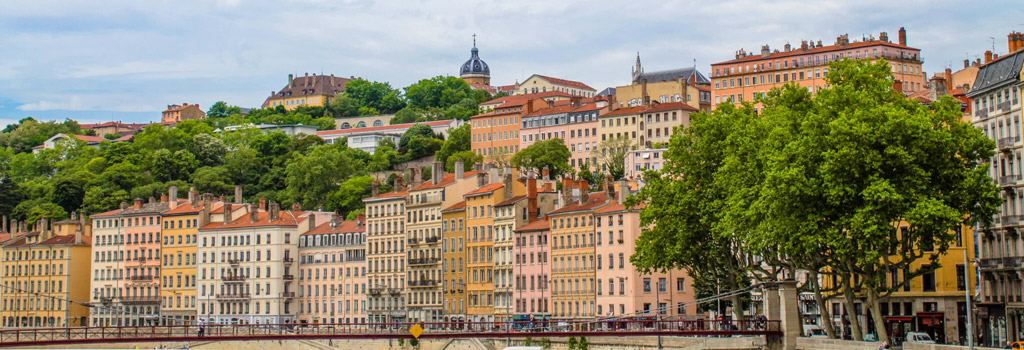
[[475, 70]]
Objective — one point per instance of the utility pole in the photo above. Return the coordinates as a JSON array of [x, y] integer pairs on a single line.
[[967, 291]]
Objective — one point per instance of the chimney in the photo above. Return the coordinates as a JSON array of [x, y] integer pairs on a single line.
[[221, 198], [547, 187], [5, 228], [988, 56], [360, 219], [436, 173], [1015, 41], [529, 107], [531, 196], [506, 180], [643, 92], [163, 198], [78, 234], [609, 188], [623, 191], [254, 216], [897, 85], [137, 204], [228, 207], [577, 101], [417, 177], [399, 184], [124, 205], [765, 51], [967, 63], [883, 36], [152, 200], [172, 194], [238, 194], [274, 211], [903, 36], [374, 188], [567, 187], [263, 205], [786, 47], [493, 175], [296, 207], [545, 173], [481, 179], [584, 187], [291, 81], [949, 78], [81, 218], [460, 170], [335, 220]]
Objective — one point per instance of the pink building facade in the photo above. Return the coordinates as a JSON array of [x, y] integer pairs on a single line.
[[332, 277], [575, 123], [621, 289], [532, 272]]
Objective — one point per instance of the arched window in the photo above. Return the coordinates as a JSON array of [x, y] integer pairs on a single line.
[[346, 125], [361, 124], [377, 123]]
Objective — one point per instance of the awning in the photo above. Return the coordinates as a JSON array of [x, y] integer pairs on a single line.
[[899, 319]]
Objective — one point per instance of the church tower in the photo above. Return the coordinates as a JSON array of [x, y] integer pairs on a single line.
[[475, 70]]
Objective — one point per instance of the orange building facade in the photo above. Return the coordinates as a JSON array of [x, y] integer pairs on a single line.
[[750, 75]]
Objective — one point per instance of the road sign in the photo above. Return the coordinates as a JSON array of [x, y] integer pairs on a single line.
[[416, 330]]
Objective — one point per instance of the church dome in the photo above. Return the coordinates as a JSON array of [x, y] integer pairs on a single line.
[[475, 66]]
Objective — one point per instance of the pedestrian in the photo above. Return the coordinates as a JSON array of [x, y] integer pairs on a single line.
[[885, 346], [202, 331]]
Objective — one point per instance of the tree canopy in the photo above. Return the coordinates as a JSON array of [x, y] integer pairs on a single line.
[[551, 153]]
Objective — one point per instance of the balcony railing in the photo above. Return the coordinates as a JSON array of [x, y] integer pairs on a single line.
[[423, 283], [981, 113], [1006, 143], [433, 239], [288, 260], [1004, 106], [1008, 180], [150, 299], [288, 295], [413, 241], [234, 262], [1010, 220], [141, 278], [233, 296], [232, 278], [288, 277], [991, 263], [394, 291], [377, 291], [424, 261]]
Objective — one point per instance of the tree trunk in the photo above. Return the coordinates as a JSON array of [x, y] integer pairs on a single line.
[[877, 316], [826, 321], [737, 308], [848, 298]]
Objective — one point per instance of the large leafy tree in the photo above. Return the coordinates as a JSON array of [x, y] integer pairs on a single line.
[[379, 96], [878, 180], [312, 177], [611, 153], [551, 153], [419, 141], [459, 139]]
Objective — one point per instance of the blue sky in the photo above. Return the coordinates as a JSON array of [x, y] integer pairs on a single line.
[[127, 60]]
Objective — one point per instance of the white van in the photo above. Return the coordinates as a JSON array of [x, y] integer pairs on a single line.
[[919, 337]]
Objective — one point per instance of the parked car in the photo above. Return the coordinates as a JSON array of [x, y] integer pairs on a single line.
[[918, 337]]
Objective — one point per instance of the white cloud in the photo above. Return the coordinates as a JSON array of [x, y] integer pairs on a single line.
[[88, 103]]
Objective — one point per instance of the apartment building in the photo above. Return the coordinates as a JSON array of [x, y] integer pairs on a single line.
[[307, 91], [125, 283], [453, 235], [246, 263], [46, 275], [648, 125], [572, 252], [542, 83], [995, 103], [495, 133], [686, 85], [574, 122], [641, 160], [386, 254], [532, 272], [179, 253], [750, 75], [622, 291], [332, 273], [508, 215], [480, 245]]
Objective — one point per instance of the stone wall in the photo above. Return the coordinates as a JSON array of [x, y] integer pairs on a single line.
[[804, 343], [916, 346]]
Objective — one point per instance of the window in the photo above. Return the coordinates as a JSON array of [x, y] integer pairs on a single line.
[[961, 280], [928, 280], [647, 286], [680, 285]]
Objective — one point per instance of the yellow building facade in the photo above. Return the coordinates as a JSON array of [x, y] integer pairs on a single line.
[[46, 276], [315, 90], [178, 246], [453, 234]]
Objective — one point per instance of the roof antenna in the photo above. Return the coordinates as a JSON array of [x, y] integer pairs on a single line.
[[993, 40]]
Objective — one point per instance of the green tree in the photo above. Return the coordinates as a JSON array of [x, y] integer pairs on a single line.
[[220, 109], [344, 106], [459, 139], [68, 194], [176, 166], [611, 153], [877, 178], [349, 196], [214, 180], [468, 158], [379, 96], [551, 153], [208, 150], [312, 177], [10, 196], [438, 92]]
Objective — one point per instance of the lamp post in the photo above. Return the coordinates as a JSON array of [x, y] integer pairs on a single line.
[[967, 292]]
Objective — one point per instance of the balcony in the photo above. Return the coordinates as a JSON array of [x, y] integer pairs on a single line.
[[141, 300], [413, 241], [234, 262], [106, 300], [431, 240], [1005, 144], [288, 277], [1007, 181], [1004, 106], [376, 291], [981, 113], [231, 279], [141, 261], [288, 260], [423, 283], [141, 278], [288, 295], [233, 296], [394, 291], [1010, 220], [991, 263], [424, 261]]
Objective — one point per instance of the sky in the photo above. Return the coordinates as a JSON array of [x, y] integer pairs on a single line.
[[127, 60]]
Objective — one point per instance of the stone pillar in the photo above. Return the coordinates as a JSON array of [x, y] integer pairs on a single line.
[[770, 299], [789, 297]]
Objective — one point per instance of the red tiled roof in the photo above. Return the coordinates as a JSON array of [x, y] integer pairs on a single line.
[[539, 225], [799, 52], [124, 138], [388, 195], [108, 213], [456, 206], [596, 200], [385, 127], [510, 201], [560, 81], [185, 207], [343, 227], [654, 107], [118, 124], [521, 99], [88, 138], [65, 240], [285, 218], [563, 108], [315, 85], [486, 189]]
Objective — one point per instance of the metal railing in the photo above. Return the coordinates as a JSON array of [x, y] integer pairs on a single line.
[[439, 330]]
